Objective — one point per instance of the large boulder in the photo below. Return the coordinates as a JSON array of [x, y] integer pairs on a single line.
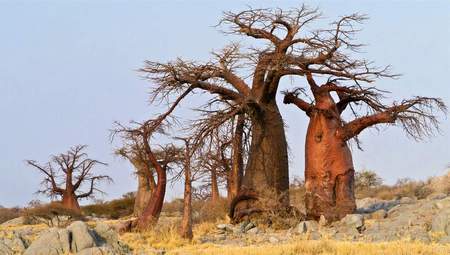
[[78, 239], [353, 220], [106, 235], [52, 242], [369, 204], [81, 236]]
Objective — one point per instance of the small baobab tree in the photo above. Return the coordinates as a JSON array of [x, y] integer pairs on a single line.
[[140, 136], [337, 89], [66, 175], [145, 177]]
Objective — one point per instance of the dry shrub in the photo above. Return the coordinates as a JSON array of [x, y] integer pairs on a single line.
[[173, 208], [207, 211], [272, 215], [9, 214], [297, 194], [53, 214], [440, 184], [403, 188], [114, 209]]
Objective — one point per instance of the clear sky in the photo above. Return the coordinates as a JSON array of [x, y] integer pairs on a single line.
[[67, 71]]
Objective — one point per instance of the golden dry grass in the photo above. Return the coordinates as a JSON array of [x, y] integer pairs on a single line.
[[169, 240]]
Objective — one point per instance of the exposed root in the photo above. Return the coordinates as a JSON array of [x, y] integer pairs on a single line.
[[243, 196]]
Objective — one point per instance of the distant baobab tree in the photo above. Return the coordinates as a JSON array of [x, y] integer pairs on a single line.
[[67, 173], [337, 83]]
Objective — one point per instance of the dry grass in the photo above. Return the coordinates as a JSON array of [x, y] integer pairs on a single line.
[[319, 247], [174, 245]]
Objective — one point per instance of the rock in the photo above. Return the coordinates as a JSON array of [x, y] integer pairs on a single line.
[[226, 227], [53, 242], [314, 236], [323, 221], [107, 235], [14, 222], [369, 205], [249, 226], [221, 237], [379, 214], [243, 226], [420, 235], [81, 236], [307, 226], [436, 196], [353, 220], [5, 249], [445, 240], [273, 240], [253, 231], [15, 245], [441, 222], [97, 251], [406, 200]]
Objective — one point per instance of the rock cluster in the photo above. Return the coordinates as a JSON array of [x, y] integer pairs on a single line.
[[426, 220], [77, 238]]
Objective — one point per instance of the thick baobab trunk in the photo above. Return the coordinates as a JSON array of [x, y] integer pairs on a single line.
[[235, 175], [146, 185], [186, 224], [69, 201], [152, 210], [267, 170], [214, 187], [329, 172]]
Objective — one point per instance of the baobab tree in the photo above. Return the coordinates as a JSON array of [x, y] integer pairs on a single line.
[[145, 177], [67, 173], [140, 135], [243, 81], [186, 222], [337, 83]]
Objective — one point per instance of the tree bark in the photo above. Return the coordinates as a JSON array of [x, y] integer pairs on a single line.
[[152, 210], [186, 224], [267, 170], [214, 187], [329, 171], [69, 201], [236, 173], [146, 185]]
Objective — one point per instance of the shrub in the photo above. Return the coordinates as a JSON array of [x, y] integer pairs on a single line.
[[53, 214], [113, 209], [366, 179], [173, 208], [206, 211], [9, 214]]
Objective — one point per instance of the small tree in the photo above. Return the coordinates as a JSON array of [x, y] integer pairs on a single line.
[[65, 175], [367, 179], [186, 222], [141, 134], [146, 181]]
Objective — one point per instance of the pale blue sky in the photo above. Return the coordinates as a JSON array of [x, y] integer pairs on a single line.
[[67, 71]]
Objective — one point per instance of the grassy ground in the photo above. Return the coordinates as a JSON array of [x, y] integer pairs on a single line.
[[318, 247], [169, 240]]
